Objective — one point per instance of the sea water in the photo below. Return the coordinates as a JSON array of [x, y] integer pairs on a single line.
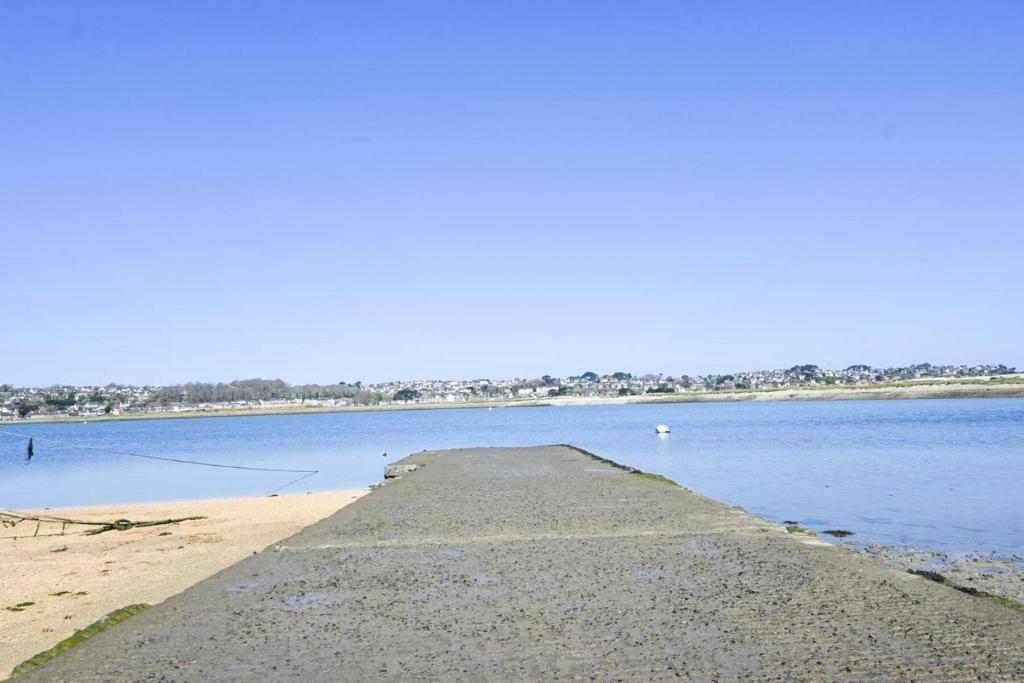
[[937, 474]]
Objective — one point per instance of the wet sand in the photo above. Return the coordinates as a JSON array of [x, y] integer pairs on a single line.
[[73, 580]]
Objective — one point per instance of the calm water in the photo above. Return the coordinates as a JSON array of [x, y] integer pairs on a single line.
[[940, 474]]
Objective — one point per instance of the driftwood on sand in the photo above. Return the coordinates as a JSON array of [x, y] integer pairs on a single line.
[[10, 519]]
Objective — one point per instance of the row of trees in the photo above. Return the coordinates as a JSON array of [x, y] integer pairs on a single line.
[[238, 390], [262, 390]]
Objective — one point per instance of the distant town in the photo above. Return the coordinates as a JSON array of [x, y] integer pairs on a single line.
[[20, 403]]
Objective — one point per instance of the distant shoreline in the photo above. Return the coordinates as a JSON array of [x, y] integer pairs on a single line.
[[905, 390]]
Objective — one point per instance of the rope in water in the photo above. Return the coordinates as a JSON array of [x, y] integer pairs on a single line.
[[305, 473]]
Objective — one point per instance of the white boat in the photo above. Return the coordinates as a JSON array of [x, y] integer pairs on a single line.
[[662, 429]]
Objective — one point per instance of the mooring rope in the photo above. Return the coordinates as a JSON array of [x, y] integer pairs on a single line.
[[305, 473], [11, 518]]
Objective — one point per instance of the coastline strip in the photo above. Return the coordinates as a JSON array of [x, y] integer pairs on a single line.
[[906, 391]]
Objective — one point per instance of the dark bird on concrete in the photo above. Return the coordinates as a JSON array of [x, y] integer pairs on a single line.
[[29, 451]]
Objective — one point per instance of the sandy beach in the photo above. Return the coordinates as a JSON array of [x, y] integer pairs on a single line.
[[52, 586]]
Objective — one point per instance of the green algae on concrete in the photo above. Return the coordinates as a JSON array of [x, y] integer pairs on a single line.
[[660, 478], [79, 637]]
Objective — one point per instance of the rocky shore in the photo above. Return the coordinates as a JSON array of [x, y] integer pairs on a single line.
[[991, 573]]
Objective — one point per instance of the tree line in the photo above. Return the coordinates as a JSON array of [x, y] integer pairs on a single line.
[[251, 390]]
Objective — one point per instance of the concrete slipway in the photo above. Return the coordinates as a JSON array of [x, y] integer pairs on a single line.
[[547, 563]]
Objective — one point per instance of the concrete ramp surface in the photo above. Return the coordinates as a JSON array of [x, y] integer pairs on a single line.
[[547, 563]]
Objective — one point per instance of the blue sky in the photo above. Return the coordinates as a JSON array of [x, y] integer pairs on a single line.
[[382, 190]]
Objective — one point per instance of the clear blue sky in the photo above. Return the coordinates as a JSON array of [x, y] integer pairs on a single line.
[[382, 190]]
